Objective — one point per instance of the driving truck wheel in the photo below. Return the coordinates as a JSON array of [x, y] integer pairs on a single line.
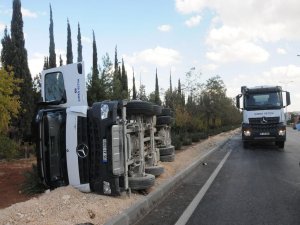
[[167, 150], [155, 170], [163, 120], [137, 107], [245, 144], [167, 158], [280, 144], [141, 183]]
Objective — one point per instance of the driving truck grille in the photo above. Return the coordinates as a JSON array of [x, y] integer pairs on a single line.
[[264, 120], [264, 124], [83, 163]]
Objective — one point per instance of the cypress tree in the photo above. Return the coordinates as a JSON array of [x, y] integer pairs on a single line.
[[52, 55], [69, 45], [7, 50], [79, 45], [171, 89], [133, 87], [179, 87], [60, 61], [21, 70], [117, 80], [95, 72], [156, 93], [93, 91], [124, 80]]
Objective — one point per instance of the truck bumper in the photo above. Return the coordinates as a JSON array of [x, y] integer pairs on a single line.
[[265, 133]]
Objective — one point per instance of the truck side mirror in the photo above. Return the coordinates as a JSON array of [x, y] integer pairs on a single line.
[[288, 98]]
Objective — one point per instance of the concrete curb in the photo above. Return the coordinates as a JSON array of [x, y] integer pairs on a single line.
[[143, 206]]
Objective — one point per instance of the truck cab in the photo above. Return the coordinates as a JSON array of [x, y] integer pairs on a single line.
[[263, 114], [61, 125]]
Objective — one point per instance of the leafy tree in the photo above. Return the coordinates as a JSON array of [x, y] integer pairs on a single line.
[[79, 45], [106, 77], [142, 93], [9, 102], [21, 71], [69, 45], [52, 55]]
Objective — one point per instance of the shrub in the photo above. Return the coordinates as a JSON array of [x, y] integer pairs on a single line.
[[32, 184], [176, 141], [195, 137], [8, 148]]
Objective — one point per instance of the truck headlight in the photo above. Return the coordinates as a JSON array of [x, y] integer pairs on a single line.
[[247, 133], [104, 111], [281, 132]]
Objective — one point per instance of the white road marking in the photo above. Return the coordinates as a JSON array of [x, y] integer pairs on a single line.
[[192, 206]]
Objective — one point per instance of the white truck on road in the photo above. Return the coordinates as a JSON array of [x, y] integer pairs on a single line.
[[263, 114]]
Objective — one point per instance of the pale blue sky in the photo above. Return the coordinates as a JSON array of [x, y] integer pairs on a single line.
[[248, 42]]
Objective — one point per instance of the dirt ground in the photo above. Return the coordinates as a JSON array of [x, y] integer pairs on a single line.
[[66, 205], [11, 178]]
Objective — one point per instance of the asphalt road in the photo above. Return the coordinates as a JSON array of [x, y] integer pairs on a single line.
[[259, 185]]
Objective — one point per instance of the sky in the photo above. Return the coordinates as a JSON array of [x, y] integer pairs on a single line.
[[246, 43]]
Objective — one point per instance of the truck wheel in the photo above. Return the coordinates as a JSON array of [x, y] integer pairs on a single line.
[[162, 120], [141, 183], [167, 158], [245, 144], [165, 112], [167, 150], [157, 109], [136, 107], [280, 144], [155, 170]]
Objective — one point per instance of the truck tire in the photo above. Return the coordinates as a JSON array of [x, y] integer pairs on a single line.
[[163, 120], [155, 170], [157, 109], [167, 150], [280, 144], [245, 144], [167, 158], [141, 183], [137, 107], [165, 112]]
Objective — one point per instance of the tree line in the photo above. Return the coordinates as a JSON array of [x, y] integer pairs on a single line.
[[205, 108]]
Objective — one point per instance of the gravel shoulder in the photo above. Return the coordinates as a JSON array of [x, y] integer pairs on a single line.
[[68, 206]]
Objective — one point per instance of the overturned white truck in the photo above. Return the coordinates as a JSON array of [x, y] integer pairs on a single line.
[[108, 148]]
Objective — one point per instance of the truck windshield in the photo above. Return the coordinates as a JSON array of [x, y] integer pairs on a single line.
[[54, 87], [263, 100]]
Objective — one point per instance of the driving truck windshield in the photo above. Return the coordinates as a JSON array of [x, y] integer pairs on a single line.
[[263, 100]]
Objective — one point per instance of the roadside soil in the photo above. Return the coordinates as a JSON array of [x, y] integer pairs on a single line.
[[68, 206], [11, 179]]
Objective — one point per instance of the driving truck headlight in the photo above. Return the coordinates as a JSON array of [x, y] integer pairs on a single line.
[[247, 133], [281, 132], [104, 111]]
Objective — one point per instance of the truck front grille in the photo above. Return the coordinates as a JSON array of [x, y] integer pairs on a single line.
[[264, 120]]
